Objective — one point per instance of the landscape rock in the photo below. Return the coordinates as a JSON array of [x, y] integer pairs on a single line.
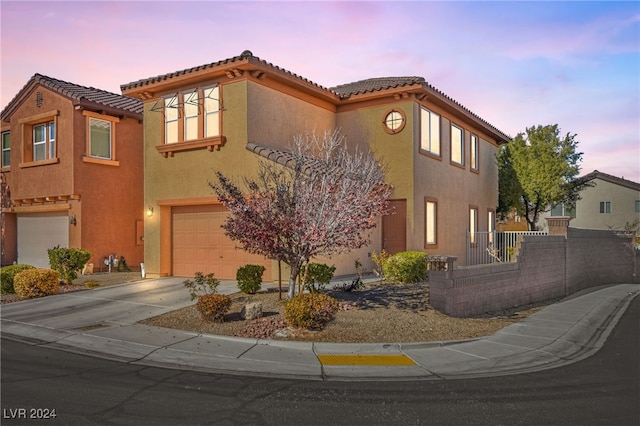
[[251, 311]]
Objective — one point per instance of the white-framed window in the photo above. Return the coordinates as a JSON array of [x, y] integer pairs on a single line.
[[457, 145], [44, 141], [605, 207], [211, 112], [473, 223], [430, 222], [100, 140], [429, 132], [637, 206], [171, 119], [6, 149], [473, 152], [563, 209], [191, 116]]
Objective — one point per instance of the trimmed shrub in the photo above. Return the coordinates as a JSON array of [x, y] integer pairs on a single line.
[[7, 275], [32, 283], [250, 278], [310, 310], [406, 267], [213, 306], [315, 276], [68, 261], [202, 285]]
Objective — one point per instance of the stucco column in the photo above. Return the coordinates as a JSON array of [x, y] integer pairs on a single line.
[[558, 225]]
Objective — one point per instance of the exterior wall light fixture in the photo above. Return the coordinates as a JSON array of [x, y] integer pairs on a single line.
[[149, 211]]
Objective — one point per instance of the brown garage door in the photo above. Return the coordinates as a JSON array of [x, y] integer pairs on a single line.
[[199, 244]]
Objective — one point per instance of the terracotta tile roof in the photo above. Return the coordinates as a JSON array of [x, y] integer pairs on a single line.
[[244, 57], [89, 96], [343, 91], [375, 84], [288, 159], [612, 179], [385, 83]]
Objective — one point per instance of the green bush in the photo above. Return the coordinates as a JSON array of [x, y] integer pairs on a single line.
[[8, 273], [202, 285], [406, 267], [315, 276], [250, 278], [68, 261], [213, 306], [36, 282], [310, 310]]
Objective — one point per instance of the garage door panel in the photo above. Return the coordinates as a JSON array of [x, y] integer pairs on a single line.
[[38, 232], [199, 244]]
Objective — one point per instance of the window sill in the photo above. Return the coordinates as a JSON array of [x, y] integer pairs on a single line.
[[102, 161], [5, 169], [40, 163], [167, 150], [430, 154]]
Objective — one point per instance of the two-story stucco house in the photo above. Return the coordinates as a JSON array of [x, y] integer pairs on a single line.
[[611, 203], [440, 158], [72, 171]]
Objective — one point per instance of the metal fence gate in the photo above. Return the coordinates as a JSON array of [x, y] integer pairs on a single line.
[[495, 246]]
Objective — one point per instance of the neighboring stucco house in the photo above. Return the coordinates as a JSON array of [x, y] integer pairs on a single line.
[[440, 158], [72, 171], [611, 203]]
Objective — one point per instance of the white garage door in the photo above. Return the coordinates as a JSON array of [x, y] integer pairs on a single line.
[[199, 244], [38, 232]]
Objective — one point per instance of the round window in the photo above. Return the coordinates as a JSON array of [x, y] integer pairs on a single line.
[[394, 121]]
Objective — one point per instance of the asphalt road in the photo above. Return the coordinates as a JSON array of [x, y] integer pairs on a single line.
[[601, 390]]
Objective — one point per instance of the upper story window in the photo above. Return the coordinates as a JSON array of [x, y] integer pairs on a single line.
[[100, 138], [605, 207], [457, 145], [393, 121], [429, 132], [44, 141], [637, 206], [39, 139], [473, 153], [192, 121], [6, 149], [192, 115], [563, 209]]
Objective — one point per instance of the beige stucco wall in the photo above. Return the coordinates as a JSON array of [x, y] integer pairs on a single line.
[[588, 214], [454, 188]]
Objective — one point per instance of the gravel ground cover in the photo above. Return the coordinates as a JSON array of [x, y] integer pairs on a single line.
[[379, 313]]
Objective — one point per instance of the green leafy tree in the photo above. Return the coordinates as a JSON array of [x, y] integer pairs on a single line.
[[538, 170]]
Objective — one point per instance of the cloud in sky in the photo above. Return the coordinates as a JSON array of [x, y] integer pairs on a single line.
[[515, 64]]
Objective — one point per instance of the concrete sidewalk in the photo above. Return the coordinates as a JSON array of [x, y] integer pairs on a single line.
[[105, 322]]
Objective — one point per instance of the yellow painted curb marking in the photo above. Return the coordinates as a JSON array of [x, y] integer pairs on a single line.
[[380, 360]]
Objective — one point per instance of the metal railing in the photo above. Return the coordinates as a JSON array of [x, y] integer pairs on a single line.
[[497, 246]]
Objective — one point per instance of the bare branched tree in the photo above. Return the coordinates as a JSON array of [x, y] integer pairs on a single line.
[[316, 199]]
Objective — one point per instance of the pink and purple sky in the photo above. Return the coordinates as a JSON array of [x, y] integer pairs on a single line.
[[515, 64]]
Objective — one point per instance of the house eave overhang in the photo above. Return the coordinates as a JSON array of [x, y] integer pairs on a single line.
[[234, 69]]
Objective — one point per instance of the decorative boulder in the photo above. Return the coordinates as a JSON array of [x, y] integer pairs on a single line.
[[251, 311]]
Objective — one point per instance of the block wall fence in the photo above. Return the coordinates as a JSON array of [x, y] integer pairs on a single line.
[[547, 267]]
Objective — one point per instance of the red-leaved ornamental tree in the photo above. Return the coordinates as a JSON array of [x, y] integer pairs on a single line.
[[316, 199]]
